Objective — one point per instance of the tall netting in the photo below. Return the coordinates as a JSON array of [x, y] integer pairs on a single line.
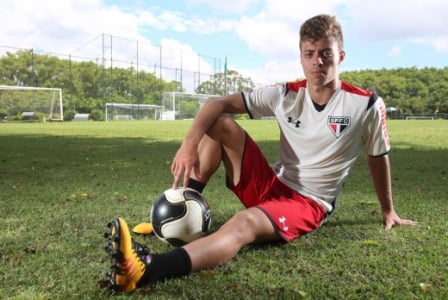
[[30, 103], [129, 111], [180, 106]]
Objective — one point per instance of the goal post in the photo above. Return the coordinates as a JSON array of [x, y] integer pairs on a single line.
[[31, 103], [132, 111], [180, 106]]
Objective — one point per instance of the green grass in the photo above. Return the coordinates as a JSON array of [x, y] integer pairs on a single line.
[[60, 183]]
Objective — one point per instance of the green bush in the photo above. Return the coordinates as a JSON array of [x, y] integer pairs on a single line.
[[3, 113], [96, 115], [69, 115]]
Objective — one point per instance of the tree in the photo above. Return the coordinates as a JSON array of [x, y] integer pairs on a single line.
[[223, 84], [17, 68]]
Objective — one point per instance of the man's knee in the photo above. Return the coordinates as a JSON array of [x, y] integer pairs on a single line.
[[224, 125], [245, 226]]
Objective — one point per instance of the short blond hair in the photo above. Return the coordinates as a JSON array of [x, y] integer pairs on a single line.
[[322, 26]]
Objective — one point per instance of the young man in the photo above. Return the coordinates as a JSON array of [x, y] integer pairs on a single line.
[[324, 123]]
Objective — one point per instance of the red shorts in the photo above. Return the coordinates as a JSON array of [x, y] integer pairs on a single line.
[[292, 214]]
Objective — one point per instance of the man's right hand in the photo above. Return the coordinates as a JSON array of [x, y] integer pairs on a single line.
[[184, 163]]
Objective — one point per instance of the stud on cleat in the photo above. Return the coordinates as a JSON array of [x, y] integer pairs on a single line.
[[127, 257]]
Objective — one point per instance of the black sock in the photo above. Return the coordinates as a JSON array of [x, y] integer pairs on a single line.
[[196, 185], [166, 265]]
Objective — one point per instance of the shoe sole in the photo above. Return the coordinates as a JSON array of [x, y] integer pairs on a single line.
[[122, 263], [112, 248]]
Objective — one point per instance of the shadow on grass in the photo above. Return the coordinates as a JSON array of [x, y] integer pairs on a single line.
[[143, 164], [65, 188]]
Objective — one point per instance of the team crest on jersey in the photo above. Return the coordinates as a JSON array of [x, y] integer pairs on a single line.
[[338, 125]]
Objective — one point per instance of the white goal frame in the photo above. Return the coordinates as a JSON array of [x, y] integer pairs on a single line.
[[173, 102], [51, 111], [111, 106], [419, 117]]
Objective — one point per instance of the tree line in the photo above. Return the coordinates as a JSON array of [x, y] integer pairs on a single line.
[[412, 91], [87, 86]]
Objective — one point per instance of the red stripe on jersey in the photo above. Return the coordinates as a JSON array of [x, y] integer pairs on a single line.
[[296, 85], [383, 112], [355, 90]]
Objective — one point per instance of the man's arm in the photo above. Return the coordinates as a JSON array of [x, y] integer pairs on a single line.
[[380, 173], [186, 159]]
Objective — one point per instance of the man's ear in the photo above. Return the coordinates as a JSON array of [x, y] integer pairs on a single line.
[[341, 56]]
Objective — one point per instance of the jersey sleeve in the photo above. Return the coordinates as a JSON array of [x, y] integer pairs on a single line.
[[262, 102], [375, 135]]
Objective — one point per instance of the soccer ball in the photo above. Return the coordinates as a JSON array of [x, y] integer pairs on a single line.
[[180, 216]]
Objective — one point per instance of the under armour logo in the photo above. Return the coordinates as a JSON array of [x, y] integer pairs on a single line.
[[297, 123], [283, 221]]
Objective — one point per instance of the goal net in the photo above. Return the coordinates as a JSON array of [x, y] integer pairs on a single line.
[[179, 106], [31, 103], [130, 111]]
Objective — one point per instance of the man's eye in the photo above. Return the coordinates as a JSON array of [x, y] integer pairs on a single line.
[[327, 53], [308, 54]]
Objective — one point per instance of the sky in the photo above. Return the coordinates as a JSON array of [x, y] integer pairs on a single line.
[[257, 38]]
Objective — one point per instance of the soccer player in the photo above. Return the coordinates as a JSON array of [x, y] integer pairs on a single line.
[[324, 124]]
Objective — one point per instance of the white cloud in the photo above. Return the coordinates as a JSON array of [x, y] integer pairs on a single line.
[[398, 19], [233, 6], [275, 71], [61, 26], [395, 51], [441, 44], [177, 21], [164, 20]]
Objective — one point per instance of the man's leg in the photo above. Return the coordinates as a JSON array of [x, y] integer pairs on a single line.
[[245, 227], [225, 143]]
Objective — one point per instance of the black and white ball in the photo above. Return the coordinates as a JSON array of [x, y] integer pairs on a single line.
[[180, 216]]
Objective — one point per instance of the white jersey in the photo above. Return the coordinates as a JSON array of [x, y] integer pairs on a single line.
[[317, 148]]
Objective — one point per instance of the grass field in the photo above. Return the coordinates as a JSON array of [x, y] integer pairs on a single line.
[[60, 183]]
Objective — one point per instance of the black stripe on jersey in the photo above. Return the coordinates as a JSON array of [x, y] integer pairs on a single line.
[[245, 105], [379, 155], [285, 90], [372, 100]]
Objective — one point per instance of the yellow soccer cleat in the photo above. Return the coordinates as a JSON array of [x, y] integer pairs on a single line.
[[127, 257]]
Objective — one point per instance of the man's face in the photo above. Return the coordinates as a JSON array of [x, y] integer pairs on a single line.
[[320, 60]]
